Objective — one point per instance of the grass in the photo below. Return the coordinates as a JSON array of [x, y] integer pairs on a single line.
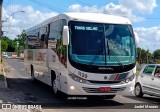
[[137, 63], [137, 72]]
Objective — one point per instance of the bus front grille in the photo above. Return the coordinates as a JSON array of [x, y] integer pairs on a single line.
[[104, 82], [96, 90]]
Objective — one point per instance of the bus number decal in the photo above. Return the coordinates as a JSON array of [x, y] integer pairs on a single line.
[[83, 75]]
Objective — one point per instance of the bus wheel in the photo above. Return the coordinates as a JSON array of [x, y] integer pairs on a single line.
[[32, 74], [138, 90], [54, 87]]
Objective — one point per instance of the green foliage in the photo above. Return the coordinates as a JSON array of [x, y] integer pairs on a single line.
[[9, 45], [158, 61], [137, 71], [14, 42], [137, 62], [156, 54], [6, 39], [4, 45], [21, 39], [142, 56]]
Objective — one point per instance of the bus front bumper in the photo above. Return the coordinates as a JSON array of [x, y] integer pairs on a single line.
[[76, 88]]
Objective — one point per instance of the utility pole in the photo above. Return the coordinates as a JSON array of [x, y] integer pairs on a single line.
[[140, 57], [1, 33], [154, 55], [1, 2], [147, 54]]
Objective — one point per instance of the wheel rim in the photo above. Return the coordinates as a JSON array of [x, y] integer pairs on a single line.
[[54, 87], [138, 89], [32, 76]]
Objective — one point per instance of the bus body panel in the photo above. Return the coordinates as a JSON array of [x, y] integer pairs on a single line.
[[65, 82]]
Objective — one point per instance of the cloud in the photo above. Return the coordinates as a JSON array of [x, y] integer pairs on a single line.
[[79, 8], [107, 9], [126, 8], [148, 37], [20, 21], [139, 6], [129, 9], [120, 10]]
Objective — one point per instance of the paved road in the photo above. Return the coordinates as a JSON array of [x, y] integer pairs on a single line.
[[18, 79]]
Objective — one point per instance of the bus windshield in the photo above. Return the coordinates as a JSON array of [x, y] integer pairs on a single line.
[[92, 43]]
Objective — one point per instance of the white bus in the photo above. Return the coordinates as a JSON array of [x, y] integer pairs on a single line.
[[83, 54]]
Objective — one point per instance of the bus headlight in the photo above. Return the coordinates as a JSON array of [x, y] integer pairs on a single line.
[[76, 78], [129, 79]]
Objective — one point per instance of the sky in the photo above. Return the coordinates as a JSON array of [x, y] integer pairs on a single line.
[[144, 15]]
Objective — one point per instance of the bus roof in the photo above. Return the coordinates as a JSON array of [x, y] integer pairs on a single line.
[[86, 17], [98, 17]]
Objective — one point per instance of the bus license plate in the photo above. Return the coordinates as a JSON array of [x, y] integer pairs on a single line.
[[105, 89]]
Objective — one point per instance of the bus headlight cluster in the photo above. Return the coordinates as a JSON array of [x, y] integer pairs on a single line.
[[129, 79], [76, 78]]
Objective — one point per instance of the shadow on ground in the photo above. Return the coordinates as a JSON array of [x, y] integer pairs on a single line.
[[39, 93]]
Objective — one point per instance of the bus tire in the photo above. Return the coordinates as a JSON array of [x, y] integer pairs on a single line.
[[32, 74], [54, 85], [138, 90]]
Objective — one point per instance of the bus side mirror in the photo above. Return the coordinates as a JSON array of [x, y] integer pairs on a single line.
[[65, 35], [136, 39]]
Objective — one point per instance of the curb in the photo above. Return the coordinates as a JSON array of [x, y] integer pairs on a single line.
[[5, 81]]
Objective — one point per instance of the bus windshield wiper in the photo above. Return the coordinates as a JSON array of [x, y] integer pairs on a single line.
[[108, 49], [113, 53], [97, 56]]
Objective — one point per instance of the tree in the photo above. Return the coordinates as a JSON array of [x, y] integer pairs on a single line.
[[11, 47], [143, 55], [4, 45], [156, 54], [6, 39], [21, 39], [14, 42]]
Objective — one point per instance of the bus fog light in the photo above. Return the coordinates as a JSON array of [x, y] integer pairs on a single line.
[[72, 87], [128, 79], [81, 81]]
